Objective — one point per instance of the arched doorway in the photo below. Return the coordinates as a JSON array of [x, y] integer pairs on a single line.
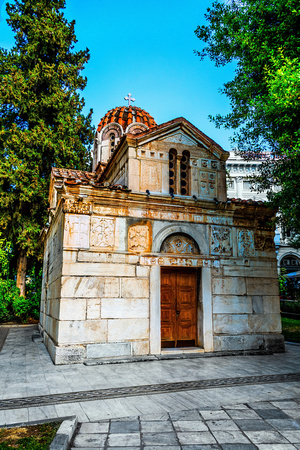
[[179, 295]]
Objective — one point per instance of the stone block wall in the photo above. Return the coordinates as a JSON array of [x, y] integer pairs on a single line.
[[246, 305]]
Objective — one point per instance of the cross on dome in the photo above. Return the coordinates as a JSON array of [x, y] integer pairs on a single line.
[[129, 98]]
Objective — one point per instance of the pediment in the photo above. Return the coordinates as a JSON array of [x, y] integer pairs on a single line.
[[179, 138]]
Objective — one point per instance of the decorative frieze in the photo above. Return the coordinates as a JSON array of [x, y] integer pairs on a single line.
[[221, 241], [178, 261], [102, 232], [245, 241], [76, 207]]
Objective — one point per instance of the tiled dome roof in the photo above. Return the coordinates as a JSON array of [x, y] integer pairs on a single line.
[[125, 115]]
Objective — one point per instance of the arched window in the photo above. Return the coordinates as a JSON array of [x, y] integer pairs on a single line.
[[184, 173], [172, 170], [112, 140]]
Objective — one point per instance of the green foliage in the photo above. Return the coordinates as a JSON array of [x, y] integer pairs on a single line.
[[291, 329], [263, 38], [34, 437], [282, 281], [290, 306], [41, 119]]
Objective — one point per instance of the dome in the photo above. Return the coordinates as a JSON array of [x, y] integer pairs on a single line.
[[125, 115]]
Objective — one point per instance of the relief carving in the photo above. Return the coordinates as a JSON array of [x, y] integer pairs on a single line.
[[76, 231], [150, 176], [179, 243], [220, 241], [80, 207], [245, 243], [102, 232], [264, 243], [139, 238]]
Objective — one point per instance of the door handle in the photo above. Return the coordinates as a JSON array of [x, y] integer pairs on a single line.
[[177, 313]]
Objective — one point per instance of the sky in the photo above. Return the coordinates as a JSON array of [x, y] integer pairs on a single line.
[[146, 49]]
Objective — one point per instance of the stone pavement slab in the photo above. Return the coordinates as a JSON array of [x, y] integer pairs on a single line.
[[194, 429], [262, 413]]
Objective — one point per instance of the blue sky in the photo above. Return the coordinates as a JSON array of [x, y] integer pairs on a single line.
[[146, 48]]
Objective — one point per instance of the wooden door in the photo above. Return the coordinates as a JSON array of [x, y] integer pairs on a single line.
[[178, 307]]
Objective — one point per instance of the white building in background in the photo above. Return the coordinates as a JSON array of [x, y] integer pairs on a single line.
[[240, 186]]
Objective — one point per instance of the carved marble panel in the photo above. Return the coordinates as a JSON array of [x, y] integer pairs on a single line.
[[76, 207], [245, 241], [102, 232], [150, 176], [221, 240], [179, 138], [76, 232], [180, 243], [139, 238], [264, 243]]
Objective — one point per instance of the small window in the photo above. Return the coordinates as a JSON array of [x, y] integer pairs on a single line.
[[184, 173], [112, 139], [172, 170]]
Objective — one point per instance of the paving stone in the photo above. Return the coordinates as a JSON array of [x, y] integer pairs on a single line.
[[266, 437], [161, 447], [155, 426], [124, 440], [242, 414], [161, 439], [286, 404], [292, 436], [272, 414], [90, 440], [261, 405], [214, 415], [127, 426], [196, 438], [292, 413], [253, 424], [192, 414], [284, 424], [94, 427], [227, 425], [230, 437], [201, 447], [189, 425], [238, 447], [276, 447]]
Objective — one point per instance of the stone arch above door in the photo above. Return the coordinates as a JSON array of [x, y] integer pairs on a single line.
[[179, 243], [199, 233]]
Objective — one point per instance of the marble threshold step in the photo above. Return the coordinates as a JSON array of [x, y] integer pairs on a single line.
[[173, 354]]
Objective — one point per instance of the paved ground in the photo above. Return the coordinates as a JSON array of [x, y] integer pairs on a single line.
[[229, 415]]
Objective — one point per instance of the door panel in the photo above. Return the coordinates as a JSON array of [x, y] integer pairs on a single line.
[[178, 307]]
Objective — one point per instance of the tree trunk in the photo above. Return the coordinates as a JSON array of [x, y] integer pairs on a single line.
[[21, 271]]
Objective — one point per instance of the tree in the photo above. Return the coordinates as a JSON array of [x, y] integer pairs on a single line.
[[263, 38], [41, 119]]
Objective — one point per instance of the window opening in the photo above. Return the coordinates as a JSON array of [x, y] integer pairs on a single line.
[[172, 171], [184, 173], [112, 138]]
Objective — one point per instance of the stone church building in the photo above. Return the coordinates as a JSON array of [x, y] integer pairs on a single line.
[[146, 254]]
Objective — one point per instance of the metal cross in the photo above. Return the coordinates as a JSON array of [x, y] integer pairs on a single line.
[[129, 98]]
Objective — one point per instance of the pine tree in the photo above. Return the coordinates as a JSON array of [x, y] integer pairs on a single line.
[[41, 120]]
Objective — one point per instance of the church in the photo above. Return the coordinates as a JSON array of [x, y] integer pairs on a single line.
[[146, 255]]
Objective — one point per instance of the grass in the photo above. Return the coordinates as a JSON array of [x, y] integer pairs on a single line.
[[291, 329], [34, 437]]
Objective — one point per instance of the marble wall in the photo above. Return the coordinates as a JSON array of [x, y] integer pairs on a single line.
[[102, 265]]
